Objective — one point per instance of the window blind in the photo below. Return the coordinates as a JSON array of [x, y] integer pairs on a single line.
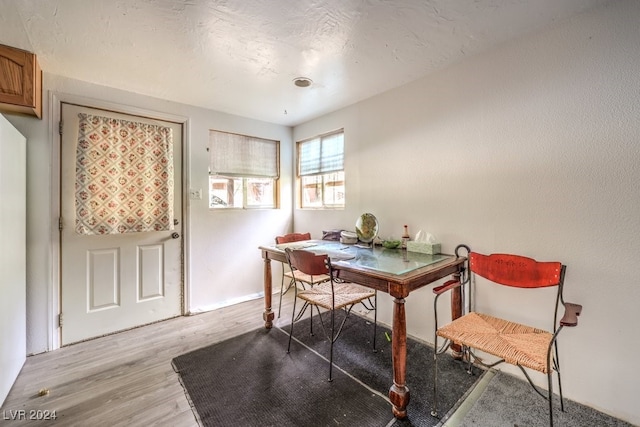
[[321, 155], [242, 156]]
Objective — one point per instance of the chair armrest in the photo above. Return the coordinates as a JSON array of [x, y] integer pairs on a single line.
[[446, 286], [571, 313]]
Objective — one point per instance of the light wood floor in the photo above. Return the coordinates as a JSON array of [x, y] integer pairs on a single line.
[[125, 379]]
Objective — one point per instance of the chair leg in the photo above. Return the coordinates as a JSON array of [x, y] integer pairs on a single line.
[[466, 352], [434, 408], [556, 363], [281, 291], [375, 320], [550, 369], [311, 319], [550, 388], [331, 345], [293, 316], [560, 391]]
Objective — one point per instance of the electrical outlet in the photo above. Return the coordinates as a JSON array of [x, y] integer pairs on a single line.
[[195, 194]]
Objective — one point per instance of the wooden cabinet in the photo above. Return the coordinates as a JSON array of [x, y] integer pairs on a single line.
[[20, 82]]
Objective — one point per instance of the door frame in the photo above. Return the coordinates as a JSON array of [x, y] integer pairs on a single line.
[[55, 101]]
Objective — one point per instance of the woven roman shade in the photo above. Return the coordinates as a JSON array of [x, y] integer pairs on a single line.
[[244, 156], [321, 155]]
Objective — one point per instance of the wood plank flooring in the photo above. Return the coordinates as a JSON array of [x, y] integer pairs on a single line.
[[124, 379]]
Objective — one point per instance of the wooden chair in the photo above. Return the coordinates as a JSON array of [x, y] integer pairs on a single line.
[[520, 345], [331, 295], [292, 276]]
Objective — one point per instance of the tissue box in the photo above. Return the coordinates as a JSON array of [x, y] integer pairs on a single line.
[[424, 248]]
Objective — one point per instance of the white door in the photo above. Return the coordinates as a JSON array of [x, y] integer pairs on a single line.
[[114, 282]]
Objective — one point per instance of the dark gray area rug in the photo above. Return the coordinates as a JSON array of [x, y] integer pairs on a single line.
[[353, 353], [511, 402], [250, 380]]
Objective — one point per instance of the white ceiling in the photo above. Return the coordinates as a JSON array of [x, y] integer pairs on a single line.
[[241, 56]]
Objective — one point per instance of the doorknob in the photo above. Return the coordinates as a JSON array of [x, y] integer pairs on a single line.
[[175, 235]]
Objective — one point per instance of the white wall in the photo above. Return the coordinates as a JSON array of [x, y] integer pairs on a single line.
[[12, 32], [531, 148], [224, 265]]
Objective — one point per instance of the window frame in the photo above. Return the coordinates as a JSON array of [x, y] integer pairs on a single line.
[[232, 177], [323, 175]]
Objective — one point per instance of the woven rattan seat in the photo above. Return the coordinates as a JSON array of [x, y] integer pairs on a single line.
[[344, 294], [515, 343]]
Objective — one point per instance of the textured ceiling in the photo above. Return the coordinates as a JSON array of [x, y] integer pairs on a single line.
[[241, 56]]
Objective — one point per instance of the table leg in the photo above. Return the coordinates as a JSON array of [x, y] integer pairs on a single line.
[[399, 392], [268, 315]]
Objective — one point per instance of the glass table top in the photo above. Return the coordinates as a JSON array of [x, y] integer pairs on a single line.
[[393, 261]]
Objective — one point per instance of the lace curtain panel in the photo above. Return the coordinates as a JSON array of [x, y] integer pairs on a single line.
[[124, 176]]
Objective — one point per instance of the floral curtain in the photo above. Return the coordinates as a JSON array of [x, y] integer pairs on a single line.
[[124, 176]]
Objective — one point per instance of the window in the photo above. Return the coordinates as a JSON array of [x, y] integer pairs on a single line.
[[243, 171], [321, 171]]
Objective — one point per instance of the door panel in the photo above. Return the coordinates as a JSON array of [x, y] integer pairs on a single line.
[[116, 281], [151, 267], [103, 286]]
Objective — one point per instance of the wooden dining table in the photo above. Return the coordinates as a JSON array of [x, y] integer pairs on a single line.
[[397, 272]]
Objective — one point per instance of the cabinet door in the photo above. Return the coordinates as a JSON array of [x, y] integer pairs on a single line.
[[20, 81]]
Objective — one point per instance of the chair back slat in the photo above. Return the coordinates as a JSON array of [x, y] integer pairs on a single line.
[[515, 270], [292, 237], [308, 262]]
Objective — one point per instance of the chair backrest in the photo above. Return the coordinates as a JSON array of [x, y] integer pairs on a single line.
[[516, 271], [520, 272], [292, 237], [307, 262]]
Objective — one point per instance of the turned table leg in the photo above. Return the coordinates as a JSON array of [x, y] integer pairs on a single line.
[[399, 392], [268, 315]]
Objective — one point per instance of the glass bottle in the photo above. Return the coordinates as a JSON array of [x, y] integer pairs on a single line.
[[405, 237]]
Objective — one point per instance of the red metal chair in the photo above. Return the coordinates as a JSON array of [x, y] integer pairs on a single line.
[[331, 295], [520, 345], [296, 275]]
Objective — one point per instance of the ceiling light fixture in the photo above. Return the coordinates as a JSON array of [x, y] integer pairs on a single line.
[[302, 81]]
